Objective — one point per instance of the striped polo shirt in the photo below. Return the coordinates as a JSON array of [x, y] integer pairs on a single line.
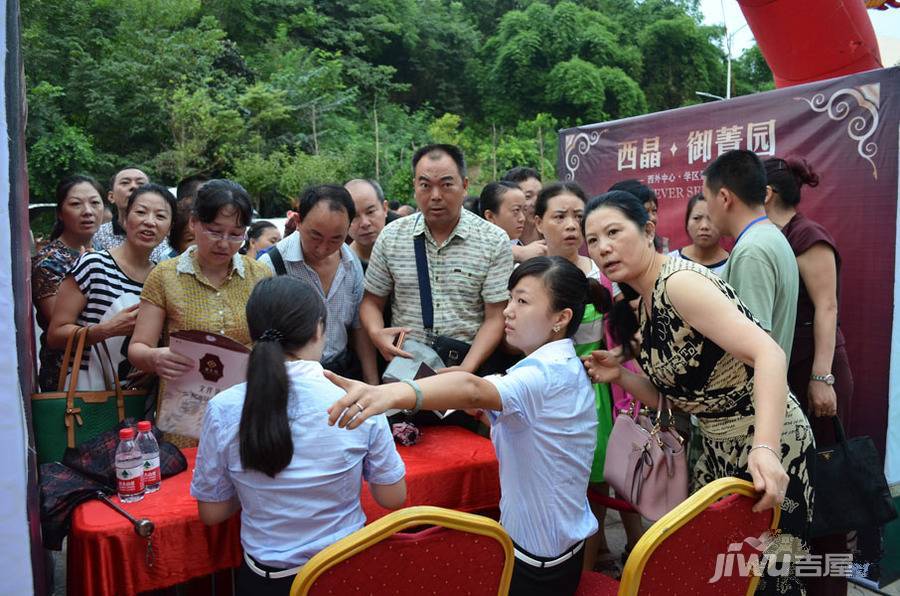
[[468, 270]]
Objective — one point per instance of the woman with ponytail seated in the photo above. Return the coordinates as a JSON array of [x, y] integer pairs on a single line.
[[266, 447], [544, 423]]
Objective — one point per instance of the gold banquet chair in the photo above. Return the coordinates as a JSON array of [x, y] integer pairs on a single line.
[[687, 551], [460, 553]]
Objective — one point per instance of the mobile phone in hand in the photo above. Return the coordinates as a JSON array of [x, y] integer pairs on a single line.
[[398, 342]]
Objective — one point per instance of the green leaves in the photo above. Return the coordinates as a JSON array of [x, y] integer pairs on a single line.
[[679, 60], [284, 93], [575, 89], [275, 180], [545, 59]]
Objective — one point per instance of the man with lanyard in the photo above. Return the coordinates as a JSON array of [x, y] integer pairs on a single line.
[[762, 268]]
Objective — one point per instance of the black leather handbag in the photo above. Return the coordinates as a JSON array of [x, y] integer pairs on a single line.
[[851, 492]]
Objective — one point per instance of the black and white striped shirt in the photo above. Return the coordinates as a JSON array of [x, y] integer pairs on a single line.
[[107, 290]]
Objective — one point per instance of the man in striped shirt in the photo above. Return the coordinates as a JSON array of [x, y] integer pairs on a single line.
[[469, 264]]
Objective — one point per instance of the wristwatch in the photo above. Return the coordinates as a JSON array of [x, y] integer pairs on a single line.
[[827, 379]]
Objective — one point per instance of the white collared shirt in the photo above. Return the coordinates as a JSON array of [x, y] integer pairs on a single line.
[[344, 296], [314, 501], [545, 438]]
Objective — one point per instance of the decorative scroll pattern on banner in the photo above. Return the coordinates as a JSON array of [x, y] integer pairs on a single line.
[[860, 128], [576, 146]]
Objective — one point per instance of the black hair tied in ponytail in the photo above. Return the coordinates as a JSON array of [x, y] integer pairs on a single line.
[[283, 314], [567, 286]]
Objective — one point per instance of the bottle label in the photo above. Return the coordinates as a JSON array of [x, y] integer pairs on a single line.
[[130, 480], [151, 471]]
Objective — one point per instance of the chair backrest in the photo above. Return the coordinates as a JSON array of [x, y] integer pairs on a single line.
[[706, 545], [464, 553]]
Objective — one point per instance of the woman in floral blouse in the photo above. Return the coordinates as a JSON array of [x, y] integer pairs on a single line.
[[206, 288], [79, 212]]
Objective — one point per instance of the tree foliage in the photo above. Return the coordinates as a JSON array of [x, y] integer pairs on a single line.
[[283, 93]]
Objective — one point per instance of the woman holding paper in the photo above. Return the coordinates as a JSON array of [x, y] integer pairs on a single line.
[[205, 288], [267, 449], [544, 423]]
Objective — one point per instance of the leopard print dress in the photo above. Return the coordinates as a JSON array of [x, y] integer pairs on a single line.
[[701, 378]]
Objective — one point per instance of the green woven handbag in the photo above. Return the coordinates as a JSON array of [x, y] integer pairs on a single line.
[[67, 417]]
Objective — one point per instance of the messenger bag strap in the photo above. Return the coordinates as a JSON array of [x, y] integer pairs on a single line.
[[277, 261], [424, 282]]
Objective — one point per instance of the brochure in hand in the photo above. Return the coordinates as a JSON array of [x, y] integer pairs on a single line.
[[220, 362], [424, 363]]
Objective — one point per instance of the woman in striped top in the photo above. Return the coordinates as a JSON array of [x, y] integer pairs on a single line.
[[102, 291]]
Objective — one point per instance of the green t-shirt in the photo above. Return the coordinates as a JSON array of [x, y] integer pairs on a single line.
[[763, 271], [589, 338]]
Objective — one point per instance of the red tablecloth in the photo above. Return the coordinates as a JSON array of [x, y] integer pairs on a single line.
[[450, 467]]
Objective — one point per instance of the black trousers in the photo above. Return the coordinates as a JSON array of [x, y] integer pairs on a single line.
[[248, 583], [561, 580]]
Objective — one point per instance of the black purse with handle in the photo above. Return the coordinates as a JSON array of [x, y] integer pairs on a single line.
[[851, 492]]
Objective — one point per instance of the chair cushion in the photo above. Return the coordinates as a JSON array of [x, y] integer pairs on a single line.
[[436, 560], [596, 584]]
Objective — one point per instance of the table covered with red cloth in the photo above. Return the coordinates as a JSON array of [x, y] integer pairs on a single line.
[[450, 467]]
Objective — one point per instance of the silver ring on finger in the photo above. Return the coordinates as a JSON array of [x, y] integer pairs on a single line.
[[359, 406]]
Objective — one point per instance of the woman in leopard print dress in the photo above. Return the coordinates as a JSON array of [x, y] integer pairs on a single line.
[[703, 349]]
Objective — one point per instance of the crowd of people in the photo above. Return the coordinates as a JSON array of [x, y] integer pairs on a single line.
[[551, 309]]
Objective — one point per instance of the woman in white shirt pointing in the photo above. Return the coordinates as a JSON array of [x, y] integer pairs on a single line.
[[543, 417]]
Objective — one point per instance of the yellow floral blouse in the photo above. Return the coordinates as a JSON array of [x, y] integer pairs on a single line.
[[192, 302]]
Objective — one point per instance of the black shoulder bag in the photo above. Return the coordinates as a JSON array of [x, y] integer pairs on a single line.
[[452, 351]]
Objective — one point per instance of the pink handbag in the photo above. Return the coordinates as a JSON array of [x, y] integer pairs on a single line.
[[646, 464]]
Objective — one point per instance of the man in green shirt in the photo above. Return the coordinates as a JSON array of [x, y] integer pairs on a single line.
[[762, 267]]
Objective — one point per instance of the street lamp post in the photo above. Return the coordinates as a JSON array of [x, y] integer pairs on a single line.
[[728, 40]]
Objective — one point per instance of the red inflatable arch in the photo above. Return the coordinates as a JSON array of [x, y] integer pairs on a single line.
[[812, 40]]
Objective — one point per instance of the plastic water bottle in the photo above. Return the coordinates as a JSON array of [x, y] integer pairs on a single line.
[[146, 442], [129, 468]]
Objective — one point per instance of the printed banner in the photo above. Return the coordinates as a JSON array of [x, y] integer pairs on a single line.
[[847, 128]]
